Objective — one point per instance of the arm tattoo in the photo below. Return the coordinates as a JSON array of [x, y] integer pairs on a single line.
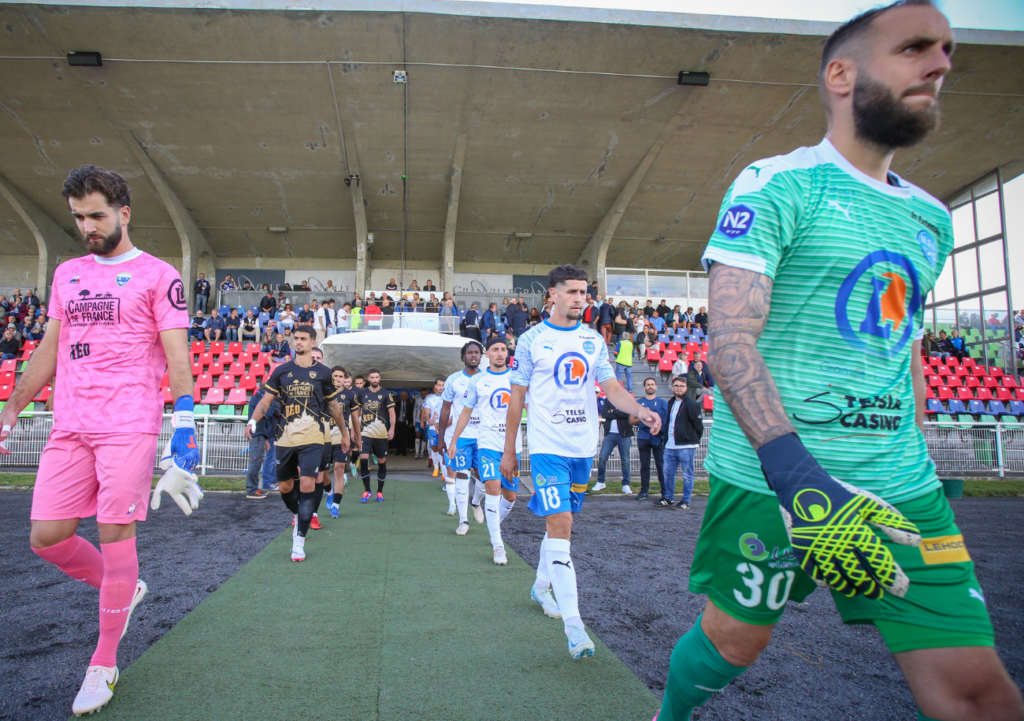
[[741, 299]]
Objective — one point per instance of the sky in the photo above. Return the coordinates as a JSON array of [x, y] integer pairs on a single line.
[[985, 14]]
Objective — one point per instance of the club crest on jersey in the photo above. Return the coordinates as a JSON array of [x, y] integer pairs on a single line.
[[500, 399], [929, 247], [876, 303], [571, 370], [737, 221], [75, 280], [122, 279], [588, 346], [312, 374]]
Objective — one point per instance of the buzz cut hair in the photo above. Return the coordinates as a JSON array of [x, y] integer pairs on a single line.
[[562, 273], [856, 27]]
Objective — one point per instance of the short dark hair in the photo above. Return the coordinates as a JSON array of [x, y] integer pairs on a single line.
[[90, 179], [439, 378], [372, 371], [856, 27], [308, 329], [339, 368], [679, 379], [562, 273], [359, 377]]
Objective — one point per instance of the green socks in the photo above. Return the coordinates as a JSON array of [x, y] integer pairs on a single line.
[[696, 671], [922, 717]]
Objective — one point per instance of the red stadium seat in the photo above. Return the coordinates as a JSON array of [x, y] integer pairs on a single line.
[[165, 382], [709, 402], [653, 356], [225, 359], [253, 348], [692, 347], [8, 378], [661, 346], [166, 393], [704, 347], [257, 369], [972, 382], [962, 372], [665, 366], [1009, 382], [198, 347], [43, 395], [226, 381], [953, 381], [214, 396], [935, 381], [929, 392], [196, 394], [197, 369], [1020, 394], [234, 348], [217, 347], [964, 394], [677, 347], [995, 371], [248, 382], [204, 380], [945, 394], [216, 369], [31, 344], [5, 391], [670, 356], [264, 358], [978, 371], [984, 394], [952, 361], [237, 369], [9, 366], [205, 358], [236, 397], [990, 382], [933, 362], [247, 357], [1004, 394], [969, 363], [26, 353], [943, 371]]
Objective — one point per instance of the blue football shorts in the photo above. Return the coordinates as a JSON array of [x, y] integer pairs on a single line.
[[465, 458], [431, 437], [559, 483], [490, 469]]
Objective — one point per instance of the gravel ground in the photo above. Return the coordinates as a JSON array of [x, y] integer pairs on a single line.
[[48, 621], [632, 563], [632, 566]]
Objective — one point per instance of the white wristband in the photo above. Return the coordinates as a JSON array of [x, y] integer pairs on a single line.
[[183, 419], [252, 425]]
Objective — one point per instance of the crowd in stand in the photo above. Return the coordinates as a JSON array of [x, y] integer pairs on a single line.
[[23, 318]]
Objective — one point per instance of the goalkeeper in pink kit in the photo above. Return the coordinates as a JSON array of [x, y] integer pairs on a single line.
[[118, 318]]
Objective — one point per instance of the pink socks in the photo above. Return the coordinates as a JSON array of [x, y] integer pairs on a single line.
[[76, 557], [120, 577]]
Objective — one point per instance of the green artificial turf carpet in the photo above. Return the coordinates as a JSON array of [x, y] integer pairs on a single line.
[[391, 617]]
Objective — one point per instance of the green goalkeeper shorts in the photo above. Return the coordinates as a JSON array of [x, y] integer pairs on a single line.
[[744, 563]]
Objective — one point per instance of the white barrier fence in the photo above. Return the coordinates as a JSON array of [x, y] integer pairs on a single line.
[[958, 449]]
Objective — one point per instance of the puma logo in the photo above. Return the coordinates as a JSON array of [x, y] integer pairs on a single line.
[[757, 170], [567, 564], [845, 211]]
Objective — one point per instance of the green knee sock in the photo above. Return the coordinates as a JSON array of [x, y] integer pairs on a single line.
[[922, 717], [696, 671]]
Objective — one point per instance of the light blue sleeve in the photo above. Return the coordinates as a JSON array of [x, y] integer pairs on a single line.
[[471, 394], [523, 361], [448, 394], [603, 371]]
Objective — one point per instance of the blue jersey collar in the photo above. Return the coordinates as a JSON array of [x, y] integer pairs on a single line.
[[558, 327]]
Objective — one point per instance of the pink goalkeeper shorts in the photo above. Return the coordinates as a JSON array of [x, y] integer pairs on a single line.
[[108, 475]]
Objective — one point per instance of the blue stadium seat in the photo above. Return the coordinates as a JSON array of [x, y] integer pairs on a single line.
[[956, 406], [683, 332], [255, 309], [698, 333], [997, 408], [1016, 408], [264, 318], [663, 338], [224, 309], [935, 406], [977, 408]]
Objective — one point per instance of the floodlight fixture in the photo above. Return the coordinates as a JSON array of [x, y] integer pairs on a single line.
[[85, 59], [694, 78]]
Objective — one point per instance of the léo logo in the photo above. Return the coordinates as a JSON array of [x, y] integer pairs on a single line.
[[812, 505], [878, 299], [737, 221], [752, 547], [500, 399], [571, 370]]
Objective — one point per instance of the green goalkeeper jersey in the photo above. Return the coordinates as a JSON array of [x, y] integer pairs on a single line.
[[852, 261]]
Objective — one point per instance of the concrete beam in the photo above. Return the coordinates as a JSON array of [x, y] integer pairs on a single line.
[[595, 253], [53, 242], [448, 256], [359, 213], [193, 243]]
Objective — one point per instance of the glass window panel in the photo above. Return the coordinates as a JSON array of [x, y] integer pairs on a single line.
[[996, 315], [986, 185], [945, 318], [993, 270], [944, 285], [627, 282], [960, 199], [987, 211], [699, 287], [970, 320], [666, 284], [963, 225], [966, 272]]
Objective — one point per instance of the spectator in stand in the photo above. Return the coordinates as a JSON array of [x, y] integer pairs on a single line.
[[249, 328], [260, 449], [386, 308], [202, 291], [341, 321], [304, 316], [518, 319], [285, 286], [414, 286], [33, 300], [510, 341], [227, 285], [447, 309], [392, 285], [371, 299], [944, 346], [658, 322], [357, 301], [701, 319], [618, 433], [198, 326], [696, 381], [649, 308], [280, 351], [329, 288], [993, 321], [639, 325], [17, 335], [534, 317], [648, 341], [590, 312], [646, 444], [268, 303], [682, 434], [675, 319], [489, 322], [623, 323], [503, 309], [957, 343], [688, 318], [429, 286], [592, 290], [372, 312], [324, 321], [680, 367], [606, 318], [929, 345], [10, 346], [663, 309], [546, 313], [287, 319], [232, 324], [215, 327], [267, 340], [431, 306], [624, 362]]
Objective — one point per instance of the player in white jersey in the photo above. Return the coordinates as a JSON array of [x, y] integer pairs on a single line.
[[431, 415], [489, 395], [463, 462], [554, 370]]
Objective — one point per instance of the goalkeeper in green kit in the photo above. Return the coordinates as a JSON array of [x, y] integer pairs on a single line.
[[819, 266]]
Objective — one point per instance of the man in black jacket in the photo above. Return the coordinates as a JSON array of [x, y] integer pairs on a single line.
[[404, 421], [261, 442], [618, 433], [682, 439]]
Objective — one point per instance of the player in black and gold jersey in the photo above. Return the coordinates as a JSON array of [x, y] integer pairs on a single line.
[[304, 389], [375, 415], [358, 383], [346, 397], [323, 481]]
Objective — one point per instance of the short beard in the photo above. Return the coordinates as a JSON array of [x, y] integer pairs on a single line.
[[881, 119], [106, 244]]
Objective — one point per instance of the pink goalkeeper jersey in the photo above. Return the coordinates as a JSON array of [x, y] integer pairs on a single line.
[[109, 357]]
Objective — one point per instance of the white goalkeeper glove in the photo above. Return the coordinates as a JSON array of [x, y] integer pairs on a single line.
[[179, 484]]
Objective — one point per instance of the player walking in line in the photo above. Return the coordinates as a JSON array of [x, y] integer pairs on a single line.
[[824, 249], [304, 388], [431, 415], [323, 481], [463, 461], [489, 395], [556, 365], [118, 318], [358, 383], [374, 412], [346, 397], [417, 414]]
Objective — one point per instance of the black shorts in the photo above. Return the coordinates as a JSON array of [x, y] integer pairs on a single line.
[[299, 461], [327, 458], [338, 455], [376, 446], [354, 455]]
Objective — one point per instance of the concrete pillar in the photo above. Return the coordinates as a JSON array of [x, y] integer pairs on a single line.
[[55, 245], [448, 256], [595, 253], [193, 242], [355, 188]]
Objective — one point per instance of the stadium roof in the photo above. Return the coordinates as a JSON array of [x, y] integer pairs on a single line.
[[237, 110]]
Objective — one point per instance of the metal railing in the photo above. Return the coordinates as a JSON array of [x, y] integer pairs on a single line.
[[958, 449]]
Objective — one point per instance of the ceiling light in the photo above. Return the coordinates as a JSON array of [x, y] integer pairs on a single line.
[[693, 78], [85, 59], [277, 229]]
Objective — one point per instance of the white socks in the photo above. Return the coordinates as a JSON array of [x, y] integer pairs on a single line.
[[462, 497], [504, 508], [449, 488], [478, 493], [563, 580], [491, 513], [542, 566]]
